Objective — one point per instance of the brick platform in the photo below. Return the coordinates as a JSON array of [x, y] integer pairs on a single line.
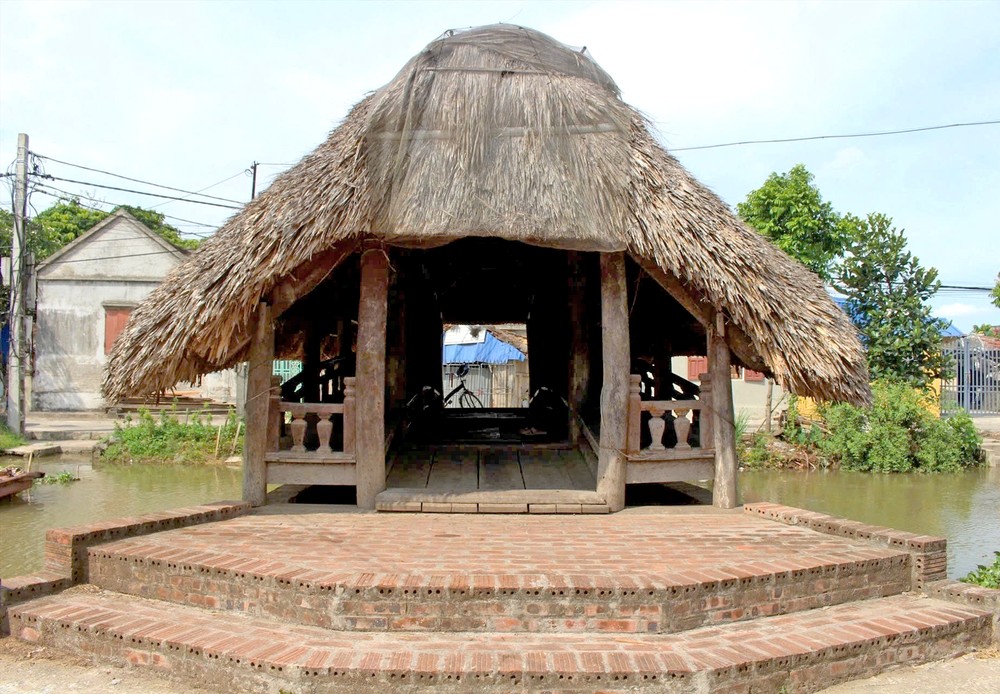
[[665, 599]]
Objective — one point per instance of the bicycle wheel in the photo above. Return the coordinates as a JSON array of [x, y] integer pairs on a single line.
[[469, 399]]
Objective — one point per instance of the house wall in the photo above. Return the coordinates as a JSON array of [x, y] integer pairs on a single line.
[[69, 339], [117, 265]]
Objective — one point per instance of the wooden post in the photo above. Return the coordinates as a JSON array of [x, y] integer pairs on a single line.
[[724, 494], [258, 398], [614, 391], [370, 384], [705, 417], [579, 358], [274, 415], [350, 426]]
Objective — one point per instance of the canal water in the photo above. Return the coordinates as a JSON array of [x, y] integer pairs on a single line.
[[965, 508], [103, 492]]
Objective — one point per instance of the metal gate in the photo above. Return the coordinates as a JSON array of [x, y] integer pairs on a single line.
[[975, 382]]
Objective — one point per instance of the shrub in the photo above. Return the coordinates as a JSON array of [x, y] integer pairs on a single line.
[[169, 439], [986, 576], [898, 434]]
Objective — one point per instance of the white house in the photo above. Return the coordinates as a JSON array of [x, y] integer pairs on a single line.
[[85, 293]]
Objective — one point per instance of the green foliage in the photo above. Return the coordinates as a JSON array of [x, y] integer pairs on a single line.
[[8, 439], [63, 477], [169, 440], [157, 223], [987, 330], [898, 434], [790, 211], [758, 455], [995, 294], [887, 292], [986, 576]]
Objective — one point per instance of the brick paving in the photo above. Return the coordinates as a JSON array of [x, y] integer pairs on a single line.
[[649, 548], [230, 647]]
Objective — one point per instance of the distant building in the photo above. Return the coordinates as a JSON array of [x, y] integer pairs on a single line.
[[85, 293]]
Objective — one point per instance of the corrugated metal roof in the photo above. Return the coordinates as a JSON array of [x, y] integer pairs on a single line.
[[489, 351]]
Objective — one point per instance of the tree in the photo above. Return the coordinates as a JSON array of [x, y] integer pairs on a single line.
[[789, 210], [996, 292], [887, 292]]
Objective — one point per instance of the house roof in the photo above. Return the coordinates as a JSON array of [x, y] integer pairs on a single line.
[[503, 132], [101, 226]]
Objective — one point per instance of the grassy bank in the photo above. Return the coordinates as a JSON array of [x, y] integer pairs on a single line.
[[8, 439], [173, 438]]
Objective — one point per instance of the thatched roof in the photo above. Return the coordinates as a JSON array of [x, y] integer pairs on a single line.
[[495, 132]]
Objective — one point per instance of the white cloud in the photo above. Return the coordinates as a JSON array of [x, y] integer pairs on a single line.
[[958, 310]]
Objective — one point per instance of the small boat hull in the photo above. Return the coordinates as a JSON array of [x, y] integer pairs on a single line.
[[18, 482]]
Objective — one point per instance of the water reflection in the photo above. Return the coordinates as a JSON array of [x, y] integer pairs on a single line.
[[103, 492], [964, 507]]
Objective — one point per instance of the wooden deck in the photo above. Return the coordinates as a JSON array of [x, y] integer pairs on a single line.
[[491, 479]]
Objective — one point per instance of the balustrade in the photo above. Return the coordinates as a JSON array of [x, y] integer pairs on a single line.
[[313, 422], [669, 420]]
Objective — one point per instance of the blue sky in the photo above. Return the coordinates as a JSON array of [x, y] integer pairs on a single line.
[[190, 93]]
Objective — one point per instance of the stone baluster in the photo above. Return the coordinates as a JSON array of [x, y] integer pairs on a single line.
[[324, 428], [634, 428], [682, 427], [349, 426], [298, 427], [656, 426]]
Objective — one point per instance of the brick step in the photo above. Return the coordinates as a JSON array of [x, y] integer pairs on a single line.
[[520, 599], [802, 651]]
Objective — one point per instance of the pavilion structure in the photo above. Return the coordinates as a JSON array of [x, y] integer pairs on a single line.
[[498, 178]]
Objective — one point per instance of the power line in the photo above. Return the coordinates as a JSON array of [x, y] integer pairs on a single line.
[[835, 137], [139, 192], [199, 191], [116, 257], [137, 180], [45, 190]]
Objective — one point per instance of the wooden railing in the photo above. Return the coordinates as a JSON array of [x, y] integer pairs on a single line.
[[677, 414], [296, 419]]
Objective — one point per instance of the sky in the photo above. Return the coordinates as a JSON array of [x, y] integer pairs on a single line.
[[189, 94]]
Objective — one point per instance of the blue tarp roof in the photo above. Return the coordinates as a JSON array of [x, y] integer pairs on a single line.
[[489, 351]]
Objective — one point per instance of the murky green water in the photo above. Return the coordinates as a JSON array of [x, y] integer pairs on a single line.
[[964, 507], [103, 492]]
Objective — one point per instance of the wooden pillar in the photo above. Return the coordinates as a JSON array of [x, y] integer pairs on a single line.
[[724, 494], [614, 391], [370, 382], [579, 358], [258, 398], [312, 341]]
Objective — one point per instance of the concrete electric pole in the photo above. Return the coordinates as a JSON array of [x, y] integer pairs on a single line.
[[17, 356]]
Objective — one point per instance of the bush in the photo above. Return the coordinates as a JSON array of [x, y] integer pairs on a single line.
[[898, 434], [986, 576], [170, 440]]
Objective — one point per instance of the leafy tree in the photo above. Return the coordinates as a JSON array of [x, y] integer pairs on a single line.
[[790, 211], [157, 223], [887, 292], [996, 292]]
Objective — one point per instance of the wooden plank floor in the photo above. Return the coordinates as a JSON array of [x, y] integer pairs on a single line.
[[469, 469]]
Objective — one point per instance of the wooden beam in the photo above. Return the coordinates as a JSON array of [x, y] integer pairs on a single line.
[[370, 383], [614, 390], [308, 276], [724, 491], [702, 312], [258, 400]]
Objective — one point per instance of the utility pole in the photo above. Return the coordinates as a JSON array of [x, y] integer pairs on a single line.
[[253, 180], [17, 350], [243, 370]]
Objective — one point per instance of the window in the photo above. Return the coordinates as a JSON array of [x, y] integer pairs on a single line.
[[114, 322]]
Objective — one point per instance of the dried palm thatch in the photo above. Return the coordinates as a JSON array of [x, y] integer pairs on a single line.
[[499, 131]]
